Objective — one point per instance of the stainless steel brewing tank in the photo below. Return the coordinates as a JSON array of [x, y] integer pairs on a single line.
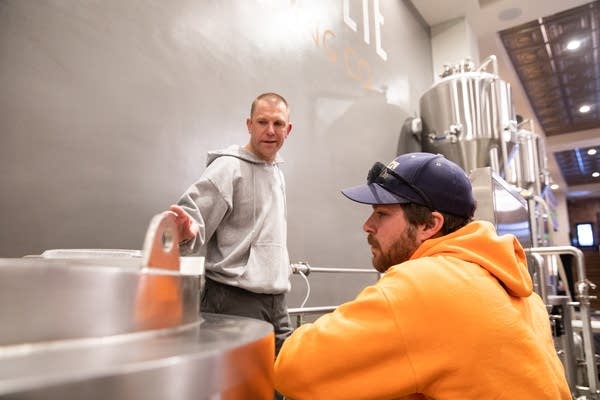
[[124, 328], [525, 169], [466, 116]]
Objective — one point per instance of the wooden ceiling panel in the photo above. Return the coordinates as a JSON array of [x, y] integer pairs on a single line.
[[559, 80]]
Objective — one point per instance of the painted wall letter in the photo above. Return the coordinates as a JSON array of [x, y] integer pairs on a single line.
[[347, 19], [378, 22], [366, 34]]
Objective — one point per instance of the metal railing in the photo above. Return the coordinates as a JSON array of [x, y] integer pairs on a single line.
[[582, 289], [304, 269]]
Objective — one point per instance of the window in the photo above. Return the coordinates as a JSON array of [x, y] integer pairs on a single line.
[[585, 234]]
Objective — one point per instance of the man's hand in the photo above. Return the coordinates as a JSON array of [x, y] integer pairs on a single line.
[[187, 227]]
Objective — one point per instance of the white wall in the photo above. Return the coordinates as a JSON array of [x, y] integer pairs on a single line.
[[451, 42], [108, 108]]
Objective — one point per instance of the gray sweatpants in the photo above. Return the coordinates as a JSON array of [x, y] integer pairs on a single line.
[[219, 298]]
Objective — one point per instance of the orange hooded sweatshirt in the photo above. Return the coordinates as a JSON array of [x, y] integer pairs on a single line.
[[458, 321]]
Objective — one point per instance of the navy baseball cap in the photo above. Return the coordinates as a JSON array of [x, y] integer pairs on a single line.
[[421, 178]]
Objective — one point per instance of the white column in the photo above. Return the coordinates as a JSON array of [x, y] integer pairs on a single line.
[[451, 42]]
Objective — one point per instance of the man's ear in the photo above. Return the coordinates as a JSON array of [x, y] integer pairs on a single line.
[[432, 229]]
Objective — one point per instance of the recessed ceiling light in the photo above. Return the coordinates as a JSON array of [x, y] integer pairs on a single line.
[[554, 186], [509, 14], [591, 152], [596, 174], [584, 108], [573, 44]]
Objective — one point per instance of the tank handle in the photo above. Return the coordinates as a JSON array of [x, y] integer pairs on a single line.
[[161, 245]]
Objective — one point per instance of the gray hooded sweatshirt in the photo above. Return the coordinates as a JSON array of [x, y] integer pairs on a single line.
[[239, 202]]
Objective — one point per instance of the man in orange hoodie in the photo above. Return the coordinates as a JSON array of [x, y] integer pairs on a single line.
[[453, 316]]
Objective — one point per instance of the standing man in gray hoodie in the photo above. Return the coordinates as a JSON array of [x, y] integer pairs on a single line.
[[237, 210]]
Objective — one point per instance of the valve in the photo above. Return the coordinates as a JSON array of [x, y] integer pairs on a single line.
[[300, 267]]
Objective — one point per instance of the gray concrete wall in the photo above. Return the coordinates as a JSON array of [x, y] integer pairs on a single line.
[[107, 109]]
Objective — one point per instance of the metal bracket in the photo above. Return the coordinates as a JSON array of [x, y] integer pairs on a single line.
[[161, 245]]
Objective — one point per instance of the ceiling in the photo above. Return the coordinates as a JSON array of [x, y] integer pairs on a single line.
[[549, 82]]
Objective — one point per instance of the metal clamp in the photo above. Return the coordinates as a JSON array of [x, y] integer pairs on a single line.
[[301, 267]]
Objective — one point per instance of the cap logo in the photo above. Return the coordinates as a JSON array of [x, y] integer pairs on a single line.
[[393, 164]]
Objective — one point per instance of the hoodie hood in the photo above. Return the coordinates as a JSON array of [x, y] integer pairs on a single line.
[[477, 242], [241, 153]]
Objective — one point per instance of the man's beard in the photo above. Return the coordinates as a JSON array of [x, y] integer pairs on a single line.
[[400, 250]]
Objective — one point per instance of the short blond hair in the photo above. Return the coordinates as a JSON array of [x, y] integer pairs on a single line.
[[269, 96]]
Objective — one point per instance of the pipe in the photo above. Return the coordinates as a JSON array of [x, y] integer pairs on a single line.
[[491, 58], [566, 336], [542, 278], [582, 288], [311, 310], [306, 269], [548, 220]]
